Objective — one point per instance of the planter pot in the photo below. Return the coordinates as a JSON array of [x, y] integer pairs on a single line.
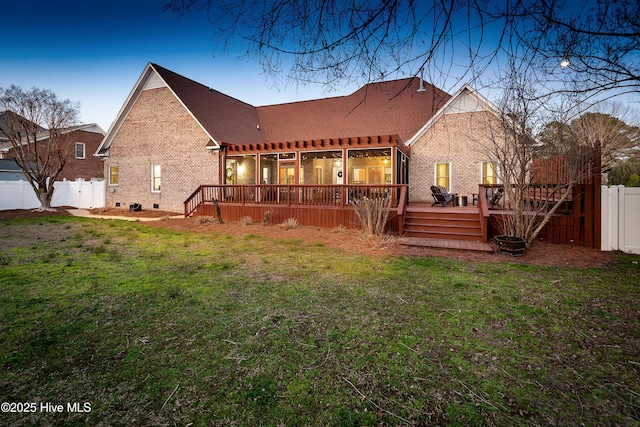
[[510, 245]]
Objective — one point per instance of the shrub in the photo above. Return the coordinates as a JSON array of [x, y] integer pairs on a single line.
[[246, 220], [205, 219], [289, 223], [621, 173], [634, 181], [340, 229], [373, 214], [266, 218]]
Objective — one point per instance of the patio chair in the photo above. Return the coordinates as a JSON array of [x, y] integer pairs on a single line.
[[441, 196], [494, 195]]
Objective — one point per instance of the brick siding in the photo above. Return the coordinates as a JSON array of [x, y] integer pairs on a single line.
[[90, 166], [159, 130], [458, 139]]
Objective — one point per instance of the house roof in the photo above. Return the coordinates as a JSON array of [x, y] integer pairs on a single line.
[[395, 107], [43, 133], [226, 119], [9, 165], [387, 108]]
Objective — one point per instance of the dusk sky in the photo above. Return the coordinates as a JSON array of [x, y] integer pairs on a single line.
[[93, 53]]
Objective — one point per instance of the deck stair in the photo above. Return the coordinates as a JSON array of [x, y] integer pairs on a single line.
[[449, 223]]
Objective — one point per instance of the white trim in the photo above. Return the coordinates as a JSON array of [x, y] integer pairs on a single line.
[[435, 174], [483, 104], [84, 150], [109, 175], [149, 79], [153, 177]]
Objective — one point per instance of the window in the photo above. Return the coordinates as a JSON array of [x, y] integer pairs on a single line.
[[443, 175], [155, 178], [79, 150], [489, 175], [113, 175]]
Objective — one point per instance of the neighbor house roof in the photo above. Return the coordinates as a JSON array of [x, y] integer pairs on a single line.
[[398, 107], [43, 133]]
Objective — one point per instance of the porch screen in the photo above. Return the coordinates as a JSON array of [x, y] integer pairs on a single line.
[[443, 175], [372, 167], [322, 167], [240, 170]]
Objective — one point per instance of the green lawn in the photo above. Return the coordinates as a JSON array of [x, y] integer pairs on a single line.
[[154, 327]]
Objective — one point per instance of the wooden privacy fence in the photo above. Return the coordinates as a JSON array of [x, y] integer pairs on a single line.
[[317, 205]]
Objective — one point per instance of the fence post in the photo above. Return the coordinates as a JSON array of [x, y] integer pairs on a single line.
[[609, 217], [620, 219]]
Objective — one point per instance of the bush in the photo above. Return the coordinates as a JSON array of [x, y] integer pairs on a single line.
[[621, 173], [289, 223], [634, 181], [246, 220], [205, 219], [373, 214]]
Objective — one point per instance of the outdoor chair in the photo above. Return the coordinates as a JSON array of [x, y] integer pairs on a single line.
[[442, 197], [494, 195]]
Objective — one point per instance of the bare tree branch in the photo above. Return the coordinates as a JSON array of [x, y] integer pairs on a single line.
[[33, 122]]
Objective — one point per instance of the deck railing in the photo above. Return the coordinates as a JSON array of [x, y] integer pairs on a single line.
[[309, 195]]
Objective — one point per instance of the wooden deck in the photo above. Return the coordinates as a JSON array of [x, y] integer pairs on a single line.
[[466, 245], [422, 220], [329, 206]]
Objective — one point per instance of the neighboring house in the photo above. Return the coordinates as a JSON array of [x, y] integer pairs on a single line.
[[174, 134], [10, 171], [81, 142], [81, 163]]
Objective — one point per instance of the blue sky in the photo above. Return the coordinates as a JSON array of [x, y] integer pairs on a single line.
[[93, 52]]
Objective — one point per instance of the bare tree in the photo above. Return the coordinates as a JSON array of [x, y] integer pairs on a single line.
[[576, 46], [33, 123], [537, 177], [595, 42], [602, 127]]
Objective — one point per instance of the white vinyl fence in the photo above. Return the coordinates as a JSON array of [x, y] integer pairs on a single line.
[[621, 219], [79, 194]]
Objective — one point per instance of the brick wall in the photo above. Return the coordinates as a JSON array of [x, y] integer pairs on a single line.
[[459, 139], [90, 166], [87, 168], [159, 130]]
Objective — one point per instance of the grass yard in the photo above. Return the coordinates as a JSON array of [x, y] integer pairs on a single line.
[[126, 324]]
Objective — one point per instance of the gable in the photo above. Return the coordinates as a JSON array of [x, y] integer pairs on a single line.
[[466, 100], [150, 79]]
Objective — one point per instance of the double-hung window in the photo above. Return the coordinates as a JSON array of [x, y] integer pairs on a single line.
[[113, 175], [80, 150], [155, 178], [443, 175], [489, 175]]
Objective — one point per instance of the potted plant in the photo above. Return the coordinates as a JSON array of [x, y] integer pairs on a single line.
[[511, 245]]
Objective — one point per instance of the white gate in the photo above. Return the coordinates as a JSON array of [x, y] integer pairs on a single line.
[[80, 194], [621, 219]]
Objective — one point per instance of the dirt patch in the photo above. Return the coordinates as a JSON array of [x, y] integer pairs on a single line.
[[540, 253]]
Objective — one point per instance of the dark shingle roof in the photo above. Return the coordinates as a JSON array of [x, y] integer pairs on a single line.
[[388, 108], [225, 118]]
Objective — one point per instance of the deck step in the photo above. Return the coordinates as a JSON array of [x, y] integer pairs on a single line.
[[442, 225], [446, 244]]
